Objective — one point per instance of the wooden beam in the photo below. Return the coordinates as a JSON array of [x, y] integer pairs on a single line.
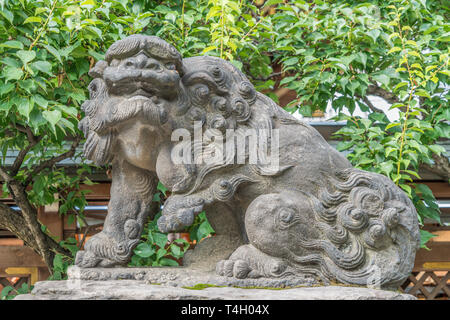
[[11, 242], [438, 258], [440, 189], [98, 191], [19, 256], [53, 221]]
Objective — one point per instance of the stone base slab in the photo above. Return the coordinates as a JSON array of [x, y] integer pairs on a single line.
[[187, 284], [140, 290], [182, 277]]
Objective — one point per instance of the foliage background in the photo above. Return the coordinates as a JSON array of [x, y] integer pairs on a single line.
[[338, 51]]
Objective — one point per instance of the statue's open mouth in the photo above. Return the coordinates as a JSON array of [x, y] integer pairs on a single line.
[[142, 94]]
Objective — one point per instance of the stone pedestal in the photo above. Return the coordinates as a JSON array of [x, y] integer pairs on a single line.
[[182, 284]]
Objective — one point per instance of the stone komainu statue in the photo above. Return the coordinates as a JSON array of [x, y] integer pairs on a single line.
[[311, 215]]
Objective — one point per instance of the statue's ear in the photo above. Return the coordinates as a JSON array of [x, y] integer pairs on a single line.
[[97, 70]]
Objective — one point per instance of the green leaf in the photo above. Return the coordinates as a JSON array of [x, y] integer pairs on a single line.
[[168, 262], [11, 73], [391, 125], [144, 250], [386, 167], [98, 56], [424, 190], [422, 93], [272, 2], [176, 251], [291, 61], [52, 117], [6, 13], [407, 188], [161, 188], [54, 52], [400, 85], [444, 38], [43, 66], [6, 291], [394, 49], [209, 49], [382, 78], [40, 101], [204, 230], [159, 239], [58, 262], [160, 253], [435, 148], [425, 236], [342, 145], [12, 44], [431, 29], [185, 244], [362, 58], [6, 87], [33, 19], [25, 106], [26, 55], [374, 34]]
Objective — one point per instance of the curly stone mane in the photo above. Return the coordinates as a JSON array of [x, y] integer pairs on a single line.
[[361, 212]]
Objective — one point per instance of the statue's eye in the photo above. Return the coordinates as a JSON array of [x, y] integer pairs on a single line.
[[170, 66], [286, 215], [154, 66], [129, 63]]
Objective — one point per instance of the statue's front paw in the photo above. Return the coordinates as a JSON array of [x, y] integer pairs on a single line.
[[179, 212], [86, 259], [102, 250], [175, 223]]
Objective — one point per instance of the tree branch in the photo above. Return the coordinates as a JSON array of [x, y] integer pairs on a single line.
[[32, 141], [5, 175], [29, 214], [54, 160], [15, 223], [272, 75], [375, 90], [27, 130], [370, 104], [22, 154]]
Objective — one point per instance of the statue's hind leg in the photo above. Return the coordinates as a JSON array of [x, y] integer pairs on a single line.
[[131, 198], [249, 262]]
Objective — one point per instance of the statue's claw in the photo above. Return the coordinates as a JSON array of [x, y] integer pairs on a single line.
[[236, 268]]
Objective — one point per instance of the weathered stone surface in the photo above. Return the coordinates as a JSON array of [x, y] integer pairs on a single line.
[[182, 277], [139, 290], [285, 205]]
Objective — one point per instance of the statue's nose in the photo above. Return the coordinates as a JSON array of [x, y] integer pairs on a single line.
[[141, 61]]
